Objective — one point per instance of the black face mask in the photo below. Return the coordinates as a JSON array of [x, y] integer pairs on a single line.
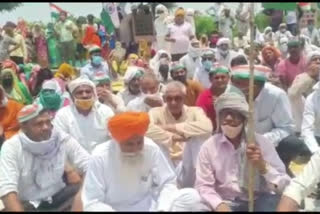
[[7, 83], [164, 70]]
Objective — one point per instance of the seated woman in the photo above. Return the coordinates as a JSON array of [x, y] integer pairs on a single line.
[[14, 88], [12, 65], [37, 77], [64, 75], [132, 60], [117, 57]]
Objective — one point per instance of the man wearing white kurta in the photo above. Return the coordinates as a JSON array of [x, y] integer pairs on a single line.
[[192, 60], [161, 27], [130, 173], [201, 73], [179, 130], [32, 165], [150, 97], [224, 54], [85, 119]]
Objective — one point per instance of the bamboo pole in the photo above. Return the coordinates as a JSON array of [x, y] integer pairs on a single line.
[[251, 131]]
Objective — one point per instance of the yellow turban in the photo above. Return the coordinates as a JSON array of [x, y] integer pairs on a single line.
[[179, 11], [126, 125], [65, 71]]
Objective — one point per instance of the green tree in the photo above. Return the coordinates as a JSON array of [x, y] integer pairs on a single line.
[[205, 25], [9, 6]]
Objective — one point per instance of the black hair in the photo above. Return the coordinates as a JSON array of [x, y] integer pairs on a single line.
[[239, 60], [44, 74]]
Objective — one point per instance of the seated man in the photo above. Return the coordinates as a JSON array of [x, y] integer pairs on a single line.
[[132, 84], [202, 73], [179, 130], [130, 173], [86, 117], [219, 79], [32, 165], [179, 73], [150, 94], [272, 112], [105, 95], [302, 86], [96, 64], [222, 172], [301, 186], [9, 109]]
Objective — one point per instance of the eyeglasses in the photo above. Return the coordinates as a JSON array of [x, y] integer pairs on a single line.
[[236, 116], [175, 98], [206, 58], [315, 59]]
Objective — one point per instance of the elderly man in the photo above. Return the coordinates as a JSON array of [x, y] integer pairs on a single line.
[[85, 119], [105, 95], [96, 64], [130, 173], [224, 54], [301, 186], [273, 117], [150, 97], [219, 78], [295, 64], [8, 116], [222, 166], [32, 165], [192, 60], [179, 34], [132, 84], [194, 88], [202, 73], [311, 32], [302, 86], [179, 130]]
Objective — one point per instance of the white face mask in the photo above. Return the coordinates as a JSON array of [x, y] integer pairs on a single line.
[[223, 52], [284, 48], [194, 52], [231, 131]]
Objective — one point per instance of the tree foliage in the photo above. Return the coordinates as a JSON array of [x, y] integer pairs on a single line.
[[9, 6], [205, 25]]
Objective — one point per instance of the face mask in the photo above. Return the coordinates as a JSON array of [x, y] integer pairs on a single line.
[[50, 100], [7, 83], [194, 52], [96, 60], [283, 30], [207, 65], [230, 131], [4, 102], [84, 104], [284, 48], [310, 27], [162, 16]]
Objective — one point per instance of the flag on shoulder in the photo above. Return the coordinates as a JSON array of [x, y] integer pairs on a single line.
[[109, 16], [55, 10]]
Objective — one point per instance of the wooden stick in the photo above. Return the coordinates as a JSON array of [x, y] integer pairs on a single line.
[[251, 138]]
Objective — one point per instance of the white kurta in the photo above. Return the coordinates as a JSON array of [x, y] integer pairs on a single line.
[[226, 61], [202, 76], [138, 104], [89, 130], [190, 64], [126, 96], [149, 186], [17, 173]]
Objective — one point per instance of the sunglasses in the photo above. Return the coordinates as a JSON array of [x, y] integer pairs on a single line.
[[206, 58], [159, 12]]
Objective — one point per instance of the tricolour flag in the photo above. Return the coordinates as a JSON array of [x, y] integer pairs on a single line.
[[55, 11], [280, 5], [305, 6], [109, 16]]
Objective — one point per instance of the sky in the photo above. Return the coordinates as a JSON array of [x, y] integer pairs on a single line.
[[41, 11]]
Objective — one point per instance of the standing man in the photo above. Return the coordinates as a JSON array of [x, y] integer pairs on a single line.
[[207, 63], [65, 29], [242, 18], [192, 60], [161, 27], [179, 34], [226, 22], [311, 32], [7, 42]]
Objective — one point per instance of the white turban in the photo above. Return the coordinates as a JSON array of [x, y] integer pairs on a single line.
[[131, 73], [52, 85], [224, 40], [311, 55], [73, 85]]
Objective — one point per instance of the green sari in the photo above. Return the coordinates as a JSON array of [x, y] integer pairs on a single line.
[[53, 50]]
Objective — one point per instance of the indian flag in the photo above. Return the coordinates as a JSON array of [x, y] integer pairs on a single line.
[[109, 16], [305, 6], [55, 11]]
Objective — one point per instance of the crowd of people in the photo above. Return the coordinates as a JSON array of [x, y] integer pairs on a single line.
[[174, 136]]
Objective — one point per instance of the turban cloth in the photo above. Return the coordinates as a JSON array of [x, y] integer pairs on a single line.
[[73, 85], [100, 78], [176, 67], [293, 43], [29, 112], [125, 125], [94, 48], [179, 12], [223, 40], [243, 72], [131, 73], [275, 51], [311, 55]]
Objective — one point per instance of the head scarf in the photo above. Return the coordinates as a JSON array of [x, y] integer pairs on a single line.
[[275, 51], [19, 92], [163, 8], [192, 51], [22, 28], [65, 71], [126, 125], [224, 40], [51, 100], [29, 112], [131, 73], [267, 29], [179, 11], [11, 65], [311, 55], [243, 72], [73, 85]]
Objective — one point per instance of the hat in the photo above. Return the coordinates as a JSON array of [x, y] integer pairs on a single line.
[[83, 80], [293, 43], [94, 48], [29, 112], [10, 24], [176, 67], [100, 78], [223, 40], [219, 70], [243, 72]]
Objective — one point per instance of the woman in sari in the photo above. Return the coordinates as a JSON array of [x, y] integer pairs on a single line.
[[12, 65], [64, 75], [38, 76], [15, 89], [117, 57], [52, 42], [41, 46], [91, 38]]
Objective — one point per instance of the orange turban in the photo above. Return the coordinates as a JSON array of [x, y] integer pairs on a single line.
[[179, 12], [125, 125]]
